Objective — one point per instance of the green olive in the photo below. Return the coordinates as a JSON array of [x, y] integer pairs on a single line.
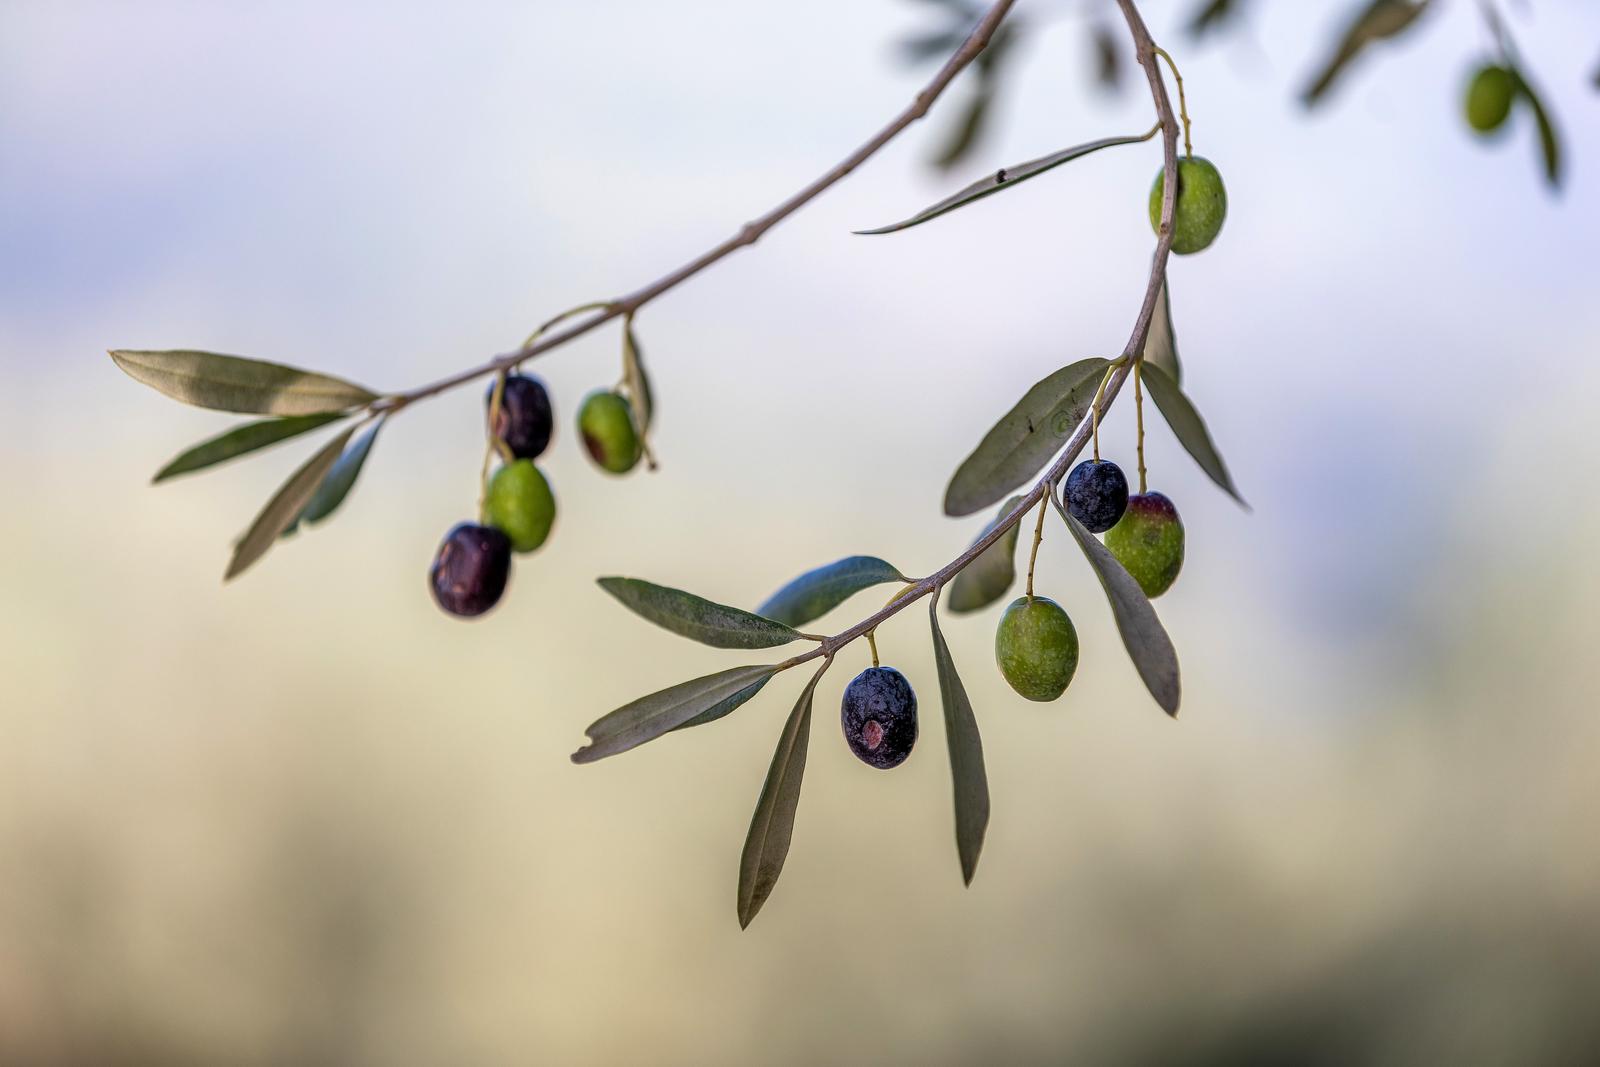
[[1489, 97], [1148, 542], [520, 505], [1036, 647], [605, 422], [1201, 206]]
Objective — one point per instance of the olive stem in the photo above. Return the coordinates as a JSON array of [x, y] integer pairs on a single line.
[[1121, 367], [1094, 410], [1138, 418], [1038, 535], [748, 234], [1183, 103]]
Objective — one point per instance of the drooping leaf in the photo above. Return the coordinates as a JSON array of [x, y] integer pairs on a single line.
[[967, 776], [1189, 427], [1004, 178], [1161, 343], [1107, 55], [1025, 438], [1142, 633], [986, 579], [651, 716], [766, 845], [964, 133], [1378, 20], [1549, 142], [285, 504], [640, 398], [240, 441], [723, 707], [819, 591], [1213, 16], [339, 481], [233, 383], [697, 618]]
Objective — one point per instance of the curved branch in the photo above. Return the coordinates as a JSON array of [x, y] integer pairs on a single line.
[[751, 232], [1145, 49]]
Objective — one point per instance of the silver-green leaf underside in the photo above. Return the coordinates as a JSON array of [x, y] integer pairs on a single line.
[[241, 441], [819, 591], [1022, 442], [641, 400], [697, 618], [233, 383], [1142, 633], [1189, 428], [341, 478], [967, 777], [1004, 178], [651, 716], [986, 579], [766, 845], [1161, 343], [285, 505]]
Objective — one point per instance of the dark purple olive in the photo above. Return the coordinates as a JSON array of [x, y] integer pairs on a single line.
[[471, 569], [525, 418], [1097, 494], [879, 715]]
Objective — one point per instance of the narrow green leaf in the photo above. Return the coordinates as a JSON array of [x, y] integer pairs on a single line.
[[651, 716], [1189, 427], [986, 579], [766, 845], [1161, 343], [718, 710], [285, 504], [819, 591], [967, 776], [240, 441], [339, 481], [1380, 19], [695, 617], [1004, 178], [233, 383], [1549, 143], [1025, 438], [640, 398], [1142, 633]]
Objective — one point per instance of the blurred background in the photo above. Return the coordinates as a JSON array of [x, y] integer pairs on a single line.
[[309, 819]]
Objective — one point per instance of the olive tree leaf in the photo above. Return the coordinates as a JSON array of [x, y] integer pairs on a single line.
[[819, 591], [651, 716], [640, 398], [1004, 178], [1213, 16], [233, 383], [285, 505], [1142, 633], [240, 441], [723, 707], [1549, 143], [1189, 427], [1378, 20], [1022, 442], [766, 845], [696, 618], [967, 776], [341, 478], [986, 579], [1161, 343]]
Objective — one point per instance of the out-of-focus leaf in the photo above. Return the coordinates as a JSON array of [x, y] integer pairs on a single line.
[[240, 441], [721, 708], [1107, 55], [1378, 20], [936, 44], [1213, 16], [1549, 142], [1142, 633], [1189, 428], [339, 481], [1022, 442], [695, 617], [963, 136], [285, 504], [766, 845], [649, 717], [1004, 178], [819, 591], [1161, 343], [233, 383], [986, 579], [967, 776]]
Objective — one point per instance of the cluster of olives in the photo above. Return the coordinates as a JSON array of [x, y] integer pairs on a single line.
[[473, 564]]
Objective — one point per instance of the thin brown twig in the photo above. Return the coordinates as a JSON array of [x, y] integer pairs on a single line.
[[1145, 50], [976, 41]]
